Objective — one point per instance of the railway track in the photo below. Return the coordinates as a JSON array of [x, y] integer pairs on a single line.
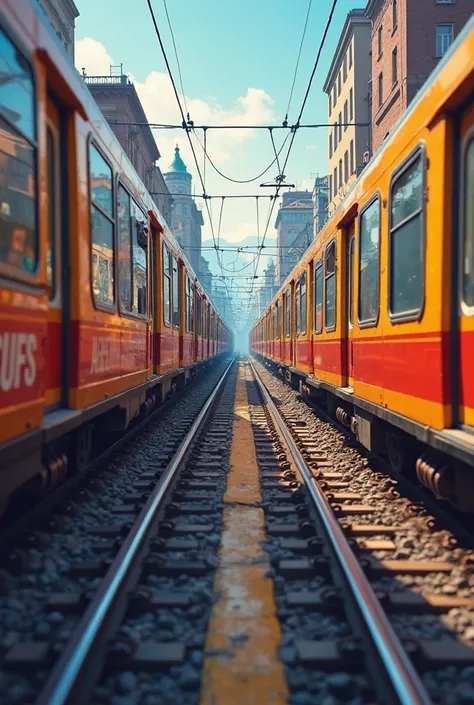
[[255, 557], [393, 566]]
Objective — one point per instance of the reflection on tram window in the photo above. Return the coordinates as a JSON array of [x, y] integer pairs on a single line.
[[124, 256], [468, 259], [369, 264], [102, 229], [139, 258], [18, 236]]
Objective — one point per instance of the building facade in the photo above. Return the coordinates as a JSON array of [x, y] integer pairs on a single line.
[[119, 102], [321, 202], [295, 212], [408, 39], [347, 88], [265, 293], [62, 16], [186, 218]]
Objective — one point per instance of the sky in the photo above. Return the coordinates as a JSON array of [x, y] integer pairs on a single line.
[[237, 63]]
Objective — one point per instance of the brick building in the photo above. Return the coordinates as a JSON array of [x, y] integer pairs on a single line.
[[62, 15], [119, 102], [408, 39], [347, 88], [293, 216]]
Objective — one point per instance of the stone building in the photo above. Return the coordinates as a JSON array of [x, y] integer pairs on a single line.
[[408, 40], [295, 212], [347, 88], [62, 16], [119, 102], [321, 202], [186, 218]]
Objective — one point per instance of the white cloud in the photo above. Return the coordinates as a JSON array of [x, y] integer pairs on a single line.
[[93, 57]]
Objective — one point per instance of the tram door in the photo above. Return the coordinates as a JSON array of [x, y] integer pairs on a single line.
[[57, 258], [349, 244], [465, 368]]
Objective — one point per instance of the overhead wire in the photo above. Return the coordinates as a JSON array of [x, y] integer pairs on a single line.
[[303, 105], [298, 59], [177, 57], [170, 73]]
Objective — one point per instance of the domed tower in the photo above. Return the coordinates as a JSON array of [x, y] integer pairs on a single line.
[[186, 218]]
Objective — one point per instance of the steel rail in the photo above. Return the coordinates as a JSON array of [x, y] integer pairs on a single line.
[[65, 684], [399, 670]]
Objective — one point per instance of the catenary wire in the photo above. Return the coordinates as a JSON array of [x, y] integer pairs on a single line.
[[298, 59]]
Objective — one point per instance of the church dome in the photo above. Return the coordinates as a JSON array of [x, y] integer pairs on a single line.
[[177, 165]]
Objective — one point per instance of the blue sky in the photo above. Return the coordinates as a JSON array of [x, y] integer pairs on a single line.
[[237, 61]]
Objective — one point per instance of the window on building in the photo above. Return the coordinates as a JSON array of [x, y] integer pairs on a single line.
[[176, 302], [369, 263], [344, 68], [287, 302], [340, 172], [339, 83], [351, 154], [468, 227], [346, 166], [351, 105], [350, 55], [189, 304], [166, 285], [102, 228], [394, 15], [346, 116], [444, 38], [335, 136], [303, 304], [379, 41], [318, 297], [340, 126], [330, 285], [298, 308], [380, 88], [330, 145], [334, 95], [406, 240], [329, 113], [394, 66]]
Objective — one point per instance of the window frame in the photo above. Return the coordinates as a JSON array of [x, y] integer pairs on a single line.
[[443, 24], [350, 280], [297, 308], [164, 246], [287, 311], [115, 181], [415, 315], [54, 215], [9, 272], [303, 322], [373, 322], [124, 312], [174, 260], [329, 244], [394, 66], [463, 308], [318, 264]]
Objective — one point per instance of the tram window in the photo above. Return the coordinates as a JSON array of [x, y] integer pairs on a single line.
[[198, 314], [303, 304], [330, 286], [175, 293], [287, 300], [102, 227], [124, 251], [350, 281], [189, 292], [318, 297], [298, 308], [166, 285], [468, 249], [369, 263], [139, 259], [18, 223], [278, 319], [406, 241], [52, 220]]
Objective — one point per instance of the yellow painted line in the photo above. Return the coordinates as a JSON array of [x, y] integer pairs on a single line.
[[241, 665]]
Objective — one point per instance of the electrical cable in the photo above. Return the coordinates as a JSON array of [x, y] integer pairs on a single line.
[[176, 55], [298, 59]]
